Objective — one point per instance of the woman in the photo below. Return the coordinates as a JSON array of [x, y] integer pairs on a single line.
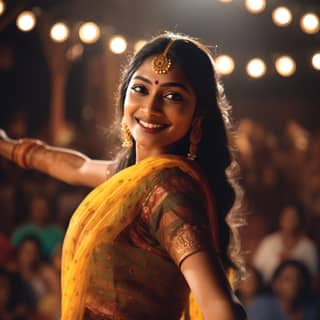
[[291, 297], [149, 232]]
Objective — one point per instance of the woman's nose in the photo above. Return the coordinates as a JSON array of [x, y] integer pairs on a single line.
[[153, 104]]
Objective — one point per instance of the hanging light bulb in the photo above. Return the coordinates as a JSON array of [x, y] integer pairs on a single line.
[[59, 32], [89, 32], [224, 64], [255, 6], [118, 44], [256, 68], [26, 21], [285, 66], [316, 61], [310, 23], [281, 16]]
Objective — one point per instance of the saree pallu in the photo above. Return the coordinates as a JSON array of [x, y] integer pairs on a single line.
[[106, 212]]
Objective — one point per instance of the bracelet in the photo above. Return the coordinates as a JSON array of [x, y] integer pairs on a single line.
[[22, 149]]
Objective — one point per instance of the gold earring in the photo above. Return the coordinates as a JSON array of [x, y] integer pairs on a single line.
[[195, 138], [126, 135]]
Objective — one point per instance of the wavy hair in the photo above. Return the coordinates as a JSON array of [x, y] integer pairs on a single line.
[[215, 151]]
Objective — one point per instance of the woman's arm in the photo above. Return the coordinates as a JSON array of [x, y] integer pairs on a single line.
[[64, 164], [210, 288]]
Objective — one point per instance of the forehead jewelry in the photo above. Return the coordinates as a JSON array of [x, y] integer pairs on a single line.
[[161, 64]]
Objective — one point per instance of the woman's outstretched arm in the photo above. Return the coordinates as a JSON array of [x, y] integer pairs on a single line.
[[64, 164], [209, 285]]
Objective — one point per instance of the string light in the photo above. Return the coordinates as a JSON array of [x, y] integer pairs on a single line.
[[59, 32], [225, 1], [26, 21], [316, 61], [118, 44], [89, 32], [310, 23], [285, 66], [255, 6], [224, 64], [281, 16], [256, 68], [139, 44], [2, 7]]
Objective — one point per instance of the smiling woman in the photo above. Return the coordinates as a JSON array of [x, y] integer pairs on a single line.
[[162, 222]]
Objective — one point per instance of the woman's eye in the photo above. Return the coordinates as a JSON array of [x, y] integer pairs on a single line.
[[174, 96], [139, 89]]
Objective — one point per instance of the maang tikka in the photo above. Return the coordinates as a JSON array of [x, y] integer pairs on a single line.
[[161, 64]]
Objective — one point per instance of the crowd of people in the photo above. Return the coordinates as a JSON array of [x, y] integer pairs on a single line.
[[280, 176]]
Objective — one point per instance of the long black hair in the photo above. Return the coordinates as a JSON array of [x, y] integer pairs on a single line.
[[214, 154]]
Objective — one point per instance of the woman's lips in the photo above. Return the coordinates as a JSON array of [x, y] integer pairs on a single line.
[[151, 126]]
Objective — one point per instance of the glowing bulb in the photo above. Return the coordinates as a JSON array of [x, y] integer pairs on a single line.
[[225, 1], [256, 68], [139, 44], [59, 32], [225, 64], [118, 44], [285, 66], [2, 7], [310, 23], [316, 61], [255, 6], [26, 21], [89, 32], [281, 16]]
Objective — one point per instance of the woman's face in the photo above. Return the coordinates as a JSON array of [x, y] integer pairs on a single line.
[[158, 109]]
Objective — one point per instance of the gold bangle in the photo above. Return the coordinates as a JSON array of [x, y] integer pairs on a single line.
[[22, 148]]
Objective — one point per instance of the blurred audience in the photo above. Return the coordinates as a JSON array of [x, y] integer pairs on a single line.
[[291, 296], [288, 242]]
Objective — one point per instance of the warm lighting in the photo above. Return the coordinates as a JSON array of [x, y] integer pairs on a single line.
[[255, 6], [118, 44], [285, 66], [310, 23], [59, 32], [26, 21], [2, 7], [225, 64], [138, 45], [256, 68], [316, 61], [282, 16], [225, 1], [89, 32]]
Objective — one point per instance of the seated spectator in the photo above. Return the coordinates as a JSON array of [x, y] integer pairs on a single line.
[[39, 225], [289, 242], [290, 298], [251, 286]]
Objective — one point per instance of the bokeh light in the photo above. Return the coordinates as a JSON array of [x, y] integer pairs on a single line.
[[256, 68], [285, 66], [255, 6], [316, 61], [281, 16], [2, 7], [26, 21], [310, 23], [89, 32], [59, 32], [224, 64], [138, 45], [118, 44]]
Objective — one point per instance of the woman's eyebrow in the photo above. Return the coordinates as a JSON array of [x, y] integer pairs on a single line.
[[165, 84]]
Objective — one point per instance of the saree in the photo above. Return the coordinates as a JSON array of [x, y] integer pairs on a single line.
[[104, 213]]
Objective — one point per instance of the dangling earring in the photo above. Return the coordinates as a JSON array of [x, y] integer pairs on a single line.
[[126, 135], [195, 138]]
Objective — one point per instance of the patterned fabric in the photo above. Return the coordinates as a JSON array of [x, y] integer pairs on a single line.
[[102, 228], [136, 276]]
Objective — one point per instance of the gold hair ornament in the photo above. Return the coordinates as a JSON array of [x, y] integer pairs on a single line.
[[161, 64]]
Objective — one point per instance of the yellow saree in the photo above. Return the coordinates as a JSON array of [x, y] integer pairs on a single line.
[[106, 211]]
